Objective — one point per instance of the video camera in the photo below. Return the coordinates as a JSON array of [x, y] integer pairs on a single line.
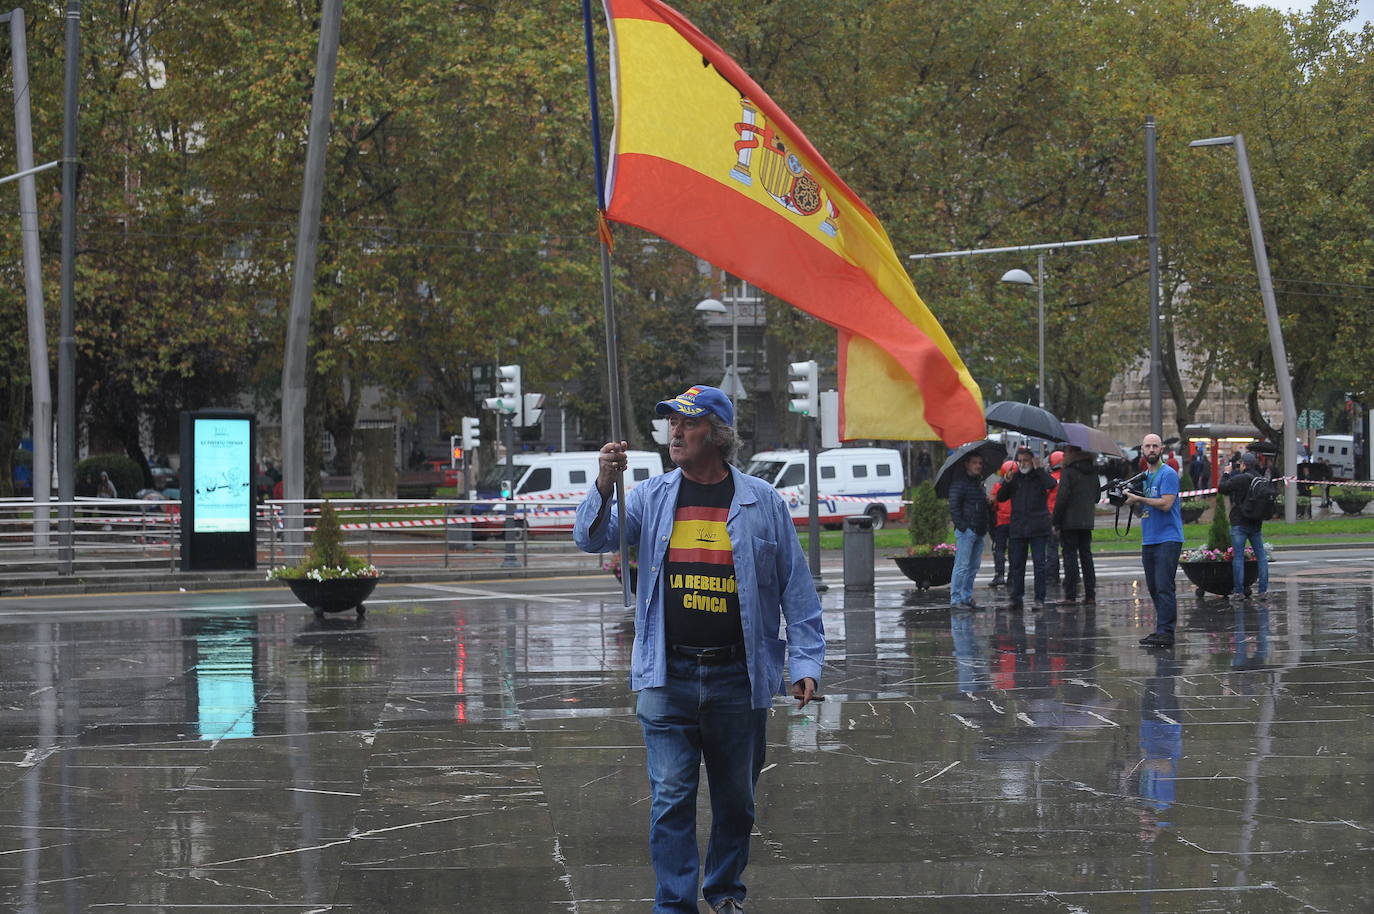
[[1117, 491]]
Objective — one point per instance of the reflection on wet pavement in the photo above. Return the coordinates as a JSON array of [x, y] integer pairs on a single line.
[[480, 753]]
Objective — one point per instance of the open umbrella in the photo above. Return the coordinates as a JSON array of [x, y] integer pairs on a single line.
[[1262, 447], [992, 452], [1026, 419], [1094, 440]]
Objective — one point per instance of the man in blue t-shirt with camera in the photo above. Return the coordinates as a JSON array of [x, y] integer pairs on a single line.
[[1161, 537]]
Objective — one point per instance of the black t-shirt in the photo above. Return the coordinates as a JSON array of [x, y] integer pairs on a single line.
[[701, 603]]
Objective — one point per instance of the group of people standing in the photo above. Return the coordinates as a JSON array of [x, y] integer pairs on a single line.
[[1031, 512], [1037, 512]]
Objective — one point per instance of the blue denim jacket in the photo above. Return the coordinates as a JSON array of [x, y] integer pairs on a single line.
[[771, 570]]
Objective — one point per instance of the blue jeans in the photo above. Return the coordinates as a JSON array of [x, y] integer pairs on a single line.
[[702, 711], [1016, 571], [1239, 536], [968, 556], [1161, 567]]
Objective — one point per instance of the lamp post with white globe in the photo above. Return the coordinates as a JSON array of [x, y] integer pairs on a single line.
[[1021, 277], [731, 384]]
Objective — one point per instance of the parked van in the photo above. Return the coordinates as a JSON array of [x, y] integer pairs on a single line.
[[1339, 451], [549, 481], [853, 480]]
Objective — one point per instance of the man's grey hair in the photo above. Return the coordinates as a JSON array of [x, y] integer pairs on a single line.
[[724, 437]]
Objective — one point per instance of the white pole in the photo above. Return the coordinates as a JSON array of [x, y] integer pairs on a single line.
[[1040, 295], [1279, 352], [33, 282]]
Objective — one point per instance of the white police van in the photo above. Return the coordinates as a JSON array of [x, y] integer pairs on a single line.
[[1339, 452], [853, 480], [547, 487]]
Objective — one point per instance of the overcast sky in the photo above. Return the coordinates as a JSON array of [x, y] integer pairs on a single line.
[[1364, 9]]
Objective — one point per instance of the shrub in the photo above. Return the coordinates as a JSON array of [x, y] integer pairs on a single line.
[[927, 519], [1219, 534], [126, 475], [327, 558], [1352, 495]]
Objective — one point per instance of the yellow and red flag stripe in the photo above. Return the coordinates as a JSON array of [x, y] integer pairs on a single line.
[[704, 158]]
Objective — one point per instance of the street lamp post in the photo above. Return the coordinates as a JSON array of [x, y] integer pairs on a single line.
[[1021, 277], [1271, 316], [732, 385]]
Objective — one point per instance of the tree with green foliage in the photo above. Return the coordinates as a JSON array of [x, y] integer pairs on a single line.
[[927, 519]]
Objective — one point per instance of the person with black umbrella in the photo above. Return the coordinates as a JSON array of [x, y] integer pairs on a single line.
[[968, 510], [1075, 515], [1027, 488]]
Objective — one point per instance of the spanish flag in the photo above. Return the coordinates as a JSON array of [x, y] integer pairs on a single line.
[[704, 158]]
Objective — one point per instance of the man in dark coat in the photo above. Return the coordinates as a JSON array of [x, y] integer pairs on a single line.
[[968, 510], [1074, 516], [1027, 488], [1237, 486]]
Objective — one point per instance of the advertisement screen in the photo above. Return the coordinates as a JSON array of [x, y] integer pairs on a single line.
[[223, 475]]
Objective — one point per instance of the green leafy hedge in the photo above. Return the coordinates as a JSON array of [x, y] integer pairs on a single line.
[[124, 473]]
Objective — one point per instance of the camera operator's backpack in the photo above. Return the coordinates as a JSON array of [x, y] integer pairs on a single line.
[[1258, 502]]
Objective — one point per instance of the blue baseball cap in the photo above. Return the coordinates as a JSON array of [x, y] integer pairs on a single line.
[[698, 400]]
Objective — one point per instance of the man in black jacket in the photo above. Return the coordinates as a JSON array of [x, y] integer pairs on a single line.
[[1243, 529], [968, 510], [1075, 514], [1027, 488]]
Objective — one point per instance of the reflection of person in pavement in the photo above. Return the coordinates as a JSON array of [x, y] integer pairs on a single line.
[[971, 668], [1161, 740], [1252, 638]]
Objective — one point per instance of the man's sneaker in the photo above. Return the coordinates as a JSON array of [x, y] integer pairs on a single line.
[[1158, 639], [961, 605], [1037, 605], [728, 906], [998, 581]]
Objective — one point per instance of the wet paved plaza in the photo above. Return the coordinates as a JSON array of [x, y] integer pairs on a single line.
[[473, 748]]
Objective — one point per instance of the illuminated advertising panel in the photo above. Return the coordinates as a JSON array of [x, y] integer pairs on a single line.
[[223, 475], [218, 452]]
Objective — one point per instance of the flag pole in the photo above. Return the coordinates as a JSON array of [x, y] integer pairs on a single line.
[[607, 293]]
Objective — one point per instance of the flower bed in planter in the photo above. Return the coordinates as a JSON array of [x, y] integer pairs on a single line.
[[333, 595], [1209, 570], [927, 570], [1216, 577]]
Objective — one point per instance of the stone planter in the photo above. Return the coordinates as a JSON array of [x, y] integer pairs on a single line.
[[1351, 505], [1215, 577], [1191, 514], [333, 596], [926, 570]]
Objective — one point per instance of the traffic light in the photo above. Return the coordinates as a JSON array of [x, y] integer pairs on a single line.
[[509, 398], [455, 451], [534, 410], [472, 432], [805, 388]]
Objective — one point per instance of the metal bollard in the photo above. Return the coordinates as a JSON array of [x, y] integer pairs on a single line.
[[858, 552]]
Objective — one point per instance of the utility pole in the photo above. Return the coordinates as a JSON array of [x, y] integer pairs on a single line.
[[1152, 230], [40, 383], [66, 340], [293, 388]]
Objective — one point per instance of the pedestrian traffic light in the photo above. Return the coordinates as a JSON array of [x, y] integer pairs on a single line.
[[534, 410], [508, 398], [472, 432], [805, 388]]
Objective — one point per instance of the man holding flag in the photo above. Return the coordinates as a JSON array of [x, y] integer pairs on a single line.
[[720, 568]]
